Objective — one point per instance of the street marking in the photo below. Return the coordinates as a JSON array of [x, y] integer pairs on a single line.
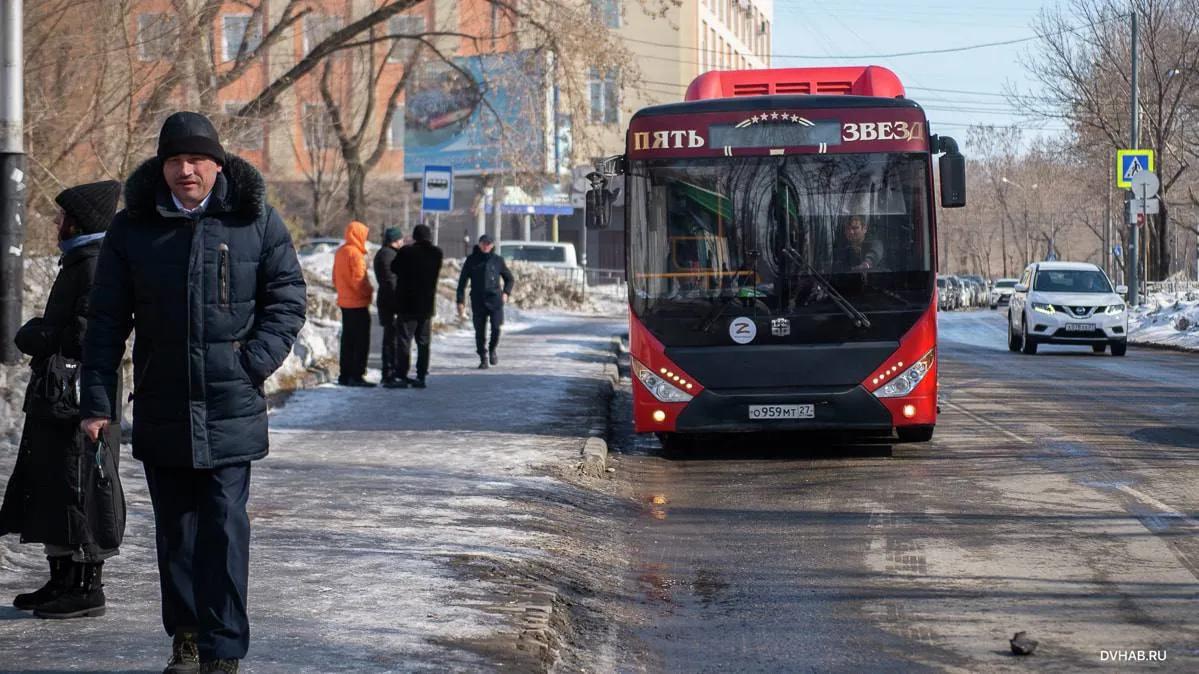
[[990, 424], [1166, 510], [1142, 497]]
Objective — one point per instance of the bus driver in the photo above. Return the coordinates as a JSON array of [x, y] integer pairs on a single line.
[[855, 250]]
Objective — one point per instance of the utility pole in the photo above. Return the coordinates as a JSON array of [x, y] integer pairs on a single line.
[[12, 179], [1133, 245]]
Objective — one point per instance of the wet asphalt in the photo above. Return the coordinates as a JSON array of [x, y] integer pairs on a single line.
[[1059, 496]]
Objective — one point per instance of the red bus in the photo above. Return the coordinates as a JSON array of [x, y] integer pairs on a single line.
[[781, 256]]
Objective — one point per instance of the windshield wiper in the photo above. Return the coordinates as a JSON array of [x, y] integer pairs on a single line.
[[850, 310]]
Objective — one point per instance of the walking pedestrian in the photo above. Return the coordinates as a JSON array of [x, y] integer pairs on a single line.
[[354, 293], [385, 300], [59, 495], [202, 269], [484, 270], [417, 267]]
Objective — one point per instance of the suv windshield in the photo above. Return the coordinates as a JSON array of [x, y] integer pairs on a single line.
[[1072, 281], [534, 253], [1005, 284]]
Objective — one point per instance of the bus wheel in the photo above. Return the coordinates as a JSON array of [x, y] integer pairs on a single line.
[[915, 433]]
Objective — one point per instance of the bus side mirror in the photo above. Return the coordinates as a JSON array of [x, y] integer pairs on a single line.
[[599, 208], [952, 167], [953, 180]]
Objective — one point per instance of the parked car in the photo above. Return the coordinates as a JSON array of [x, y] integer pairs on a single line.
[[554, 255], [1067, 303], [1001, 293], [949, 296], [979, 289]]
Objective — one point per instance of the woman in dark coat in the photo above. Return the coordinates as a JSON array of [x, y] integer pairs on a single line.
[[64, 493]]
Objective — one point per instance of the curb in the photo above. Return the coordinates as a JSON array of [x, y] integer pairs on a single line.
[[595, 448], [595, 458], [1157, 346]]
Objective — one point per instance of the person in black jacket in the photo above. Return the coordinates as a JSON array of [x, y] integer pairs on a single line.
[[417, 267], [79, 516], [202, 269], [484, 270], [385, 301]]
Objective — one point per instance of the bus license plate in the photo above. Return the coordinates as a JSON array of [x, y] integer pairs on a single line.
[[770, 412], [1080, 327]]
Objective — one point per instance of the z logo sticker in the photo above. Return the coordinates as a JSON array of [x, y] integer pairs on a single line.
[[743, 330]]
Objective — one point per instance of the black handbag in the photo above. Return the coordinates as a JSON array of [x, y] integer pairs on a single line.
[[53, 391]]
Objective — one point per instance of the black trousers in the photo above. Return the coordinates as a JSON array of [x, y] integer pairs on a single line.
[[202, 533], [420, 329], [355, 342], [391, 347], [480, 314]]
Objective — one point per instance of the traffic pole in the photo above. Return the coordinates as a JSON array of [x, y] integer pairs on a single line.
[[1133, 243], [12, 180]]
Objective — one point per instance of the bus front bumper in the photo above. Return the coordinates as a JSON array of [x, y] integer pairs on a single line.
[[853, 409]]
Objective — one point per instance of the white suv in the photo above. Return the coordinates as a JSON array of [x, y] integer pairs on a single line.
[[1067, 303]]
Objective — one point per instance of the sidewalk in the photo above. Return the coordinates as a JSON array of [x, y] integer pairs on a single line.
[[393, 530]]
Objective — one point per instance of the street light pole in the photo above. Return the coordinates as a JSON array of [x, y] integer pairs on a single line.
[[1133, 244], [12, 179]]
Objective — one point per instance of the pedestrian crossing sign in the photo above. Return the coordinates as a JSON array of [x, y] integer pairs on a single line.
[[1131, 162]]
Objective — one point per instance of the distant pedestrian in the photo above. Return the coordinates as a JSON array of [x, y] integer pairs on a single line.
[[417, 267], [58, 494], [354, 293], [385, 300], [484, 270], [203, 270]]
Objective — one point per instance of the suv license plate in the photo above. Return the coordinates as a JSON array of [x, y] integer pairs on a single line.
[[1080, 327], [770, 412]]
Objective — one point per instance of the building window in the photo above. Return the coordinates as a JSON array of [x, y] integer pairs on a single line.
[[234, 30], [154, 33], [395, 132], [404, 24], [605, 99], [318, 128], [244, 133], [606, 12], [318, 28], [703, 51]]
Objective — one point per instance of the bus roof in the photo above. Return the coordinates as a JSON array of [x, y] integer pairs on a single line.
[[874, 81], [757, 103]]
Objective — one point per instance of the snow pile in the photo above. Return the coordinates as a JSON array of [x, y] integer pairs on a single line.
[[1168, 319]]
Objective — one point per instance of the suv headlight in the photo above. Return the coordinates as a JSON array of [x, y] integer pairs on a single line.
[[905, 382], [1042, 307], [661, 389], [1114, 310]]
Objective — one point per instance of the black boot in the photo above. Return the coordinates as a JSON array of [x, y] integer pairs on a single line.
[[495, 360], [61, 579], [84, 599], [185, 654], [482, 362]]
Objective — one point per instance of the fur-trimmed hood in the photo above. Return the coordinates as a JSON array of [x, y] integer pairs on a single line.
[[239, 189]]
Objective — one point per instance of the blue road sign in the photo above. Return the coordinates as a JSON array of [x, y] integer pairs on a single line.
[[437, 195], [1131, 162], [1118, 251]]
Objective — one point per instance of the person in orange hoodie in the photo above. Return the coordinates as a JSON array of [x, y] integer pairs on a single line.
[[354, 294]]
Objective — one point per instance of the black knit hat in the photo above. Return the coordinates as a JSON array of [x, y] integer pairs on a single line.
[[91, 206], [422, 233], [189, 133]]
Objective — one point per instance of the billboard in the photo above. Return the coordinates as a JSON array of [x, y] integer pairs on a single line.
[[479, 115]]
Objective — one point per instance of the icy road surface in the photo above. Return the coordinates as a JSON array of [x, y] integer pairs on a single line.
[[370, 520]]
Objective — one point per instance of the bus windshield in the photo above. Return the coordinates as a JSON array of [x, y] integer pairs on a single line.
[[771, 233]]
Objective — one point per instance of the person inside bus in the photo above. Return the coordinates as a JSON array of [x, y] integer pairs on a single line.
[[856, 250]]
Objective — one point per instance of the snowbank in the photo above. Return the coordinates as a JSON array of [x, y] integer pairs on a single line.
[[1167, 319]]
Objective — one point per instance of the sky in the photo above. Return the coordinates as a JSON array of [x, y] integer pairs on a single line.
[[956, 89]]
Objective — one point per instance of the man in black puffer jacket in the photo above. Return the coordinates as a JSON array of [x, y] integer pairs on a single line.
[[484, 270], [204, 271], [417, 267]]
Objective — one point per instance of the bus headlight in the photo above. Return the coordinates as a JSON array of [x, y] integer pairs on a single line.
[[661, 389], [905, 382]]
